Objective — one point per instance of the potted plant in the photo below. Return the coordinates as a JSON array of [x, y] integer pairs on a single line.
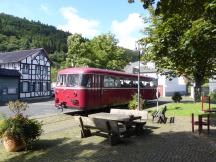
[[18, 131]]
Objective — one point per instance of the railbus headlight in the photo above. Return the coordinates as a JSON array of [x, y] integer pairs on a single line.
[[75, 102]]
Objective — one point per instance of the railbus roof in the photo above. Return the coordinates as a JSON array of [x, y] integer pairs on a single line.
[[102, 72]]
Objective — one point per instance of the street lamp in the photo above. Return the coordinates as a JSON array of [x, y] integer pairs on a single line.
[[139, 49], [157, 77]]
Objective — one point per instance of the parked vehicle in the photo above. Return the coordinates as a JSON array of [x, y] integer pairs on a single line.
[[92, 88]]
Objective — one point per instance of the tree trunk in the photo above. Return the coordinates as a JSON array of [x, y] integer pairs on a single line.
[[197, 91]]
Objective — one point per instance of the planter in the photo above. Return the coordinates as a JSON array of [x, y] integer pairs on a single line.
[[13, 145]]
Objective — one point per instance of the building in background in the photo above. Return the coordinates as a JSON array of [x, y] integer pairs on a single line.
[[166, 86], [212, 85], [34, 68]]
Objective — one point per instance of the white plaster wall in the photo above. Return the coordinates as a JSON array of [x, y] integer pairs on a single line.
[[175, 85], [29, 60]]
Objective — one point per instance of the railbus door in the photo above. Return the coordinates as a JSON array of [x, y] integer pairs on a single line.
[[94, 92]]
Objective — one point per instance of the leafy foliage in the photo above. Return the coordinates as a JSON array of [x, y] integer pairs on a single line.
[[183, 40], [213, 96], [78, 51], [17, 106], [17, 33], [106, 52], [177, 97], [133, 104], [100, 52]]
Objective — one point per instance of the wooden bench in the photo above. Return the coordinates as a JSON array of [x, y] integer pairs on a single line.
[[159, 116], [139, 123], [106, 126]]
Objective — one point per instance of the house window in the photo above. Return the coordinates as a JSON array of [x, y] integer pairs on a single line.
[[33, 87], [37, 69], [37, 87], [25, 69], [25, 86], [45, 88], [45, 70]]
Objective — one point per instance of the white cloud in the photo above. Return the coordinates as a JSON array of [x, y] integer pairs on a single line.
[[77, 24], [129, 30], [44, 8]]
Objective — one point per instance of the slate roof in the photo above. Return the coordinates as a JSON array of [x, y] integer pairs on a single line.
[[9, 72], [16, 56]]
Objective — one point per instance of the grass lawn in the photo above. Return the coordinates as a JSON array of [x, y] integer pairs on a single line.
[[183, 109]]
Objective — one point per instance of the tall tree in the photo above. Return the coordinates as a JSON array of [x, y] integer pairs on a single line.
[[107, 54], [78, 51], [183, 38], [100, 52]]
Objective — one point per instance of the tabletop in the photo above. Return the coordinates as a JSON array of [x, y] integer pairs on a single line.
[[114, 117]]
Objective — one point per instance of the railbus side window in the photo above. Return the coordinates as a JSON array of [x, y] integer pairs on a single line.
[[86, 80], [109, 81], [123, 84], [94, 81], [98, 81], [127, 82], [117, 82], [106, 81]]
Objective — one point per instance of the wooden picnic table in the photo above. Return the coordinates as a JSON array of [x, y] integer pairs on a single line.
[[126, 120]]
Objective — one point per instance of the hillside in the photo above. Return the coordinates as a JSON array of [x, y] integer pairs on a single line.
[[17, 33]]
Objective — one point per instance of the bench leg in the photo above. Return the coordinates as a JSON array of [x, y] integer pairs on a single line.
[[192, 122], [85, 133], [208, 123], [200, 124], [139, 127], [114, 139]]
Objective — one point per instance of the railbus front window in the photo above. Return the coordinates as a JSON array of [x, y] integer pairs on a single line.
[[61, 80], [73, 80]]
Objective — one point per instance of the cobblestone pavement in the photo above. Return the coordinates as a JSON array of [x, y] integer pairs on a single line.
[[171, 142]]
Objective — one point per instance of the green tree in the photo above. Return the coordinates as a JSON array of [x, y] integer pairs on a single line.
[[78, 51], [106, 53], [183, 37], [58, 57], [54, 72]]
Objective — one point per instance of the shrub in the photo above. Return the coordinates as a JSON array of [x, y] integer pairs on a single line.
[[133, 104], [213, 96], [20, 127], [176, 97]]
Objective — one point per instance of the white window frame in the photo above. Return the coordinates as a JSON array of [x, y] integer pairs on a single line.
[[25, 68]]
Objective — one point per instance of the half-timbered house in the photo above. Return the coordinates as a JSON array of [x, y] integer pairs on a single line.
[[34, 67]]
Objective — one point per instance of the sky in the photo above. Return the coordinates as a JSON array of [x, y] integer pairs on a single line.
[[87, 17]]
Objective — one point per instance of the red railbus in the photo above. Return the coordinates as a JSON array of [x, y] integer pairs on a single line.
[[92, 88]]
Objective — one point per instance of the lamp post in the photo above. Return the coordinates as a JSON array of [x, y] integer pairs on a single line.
[[157, 91], [138, 48]]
